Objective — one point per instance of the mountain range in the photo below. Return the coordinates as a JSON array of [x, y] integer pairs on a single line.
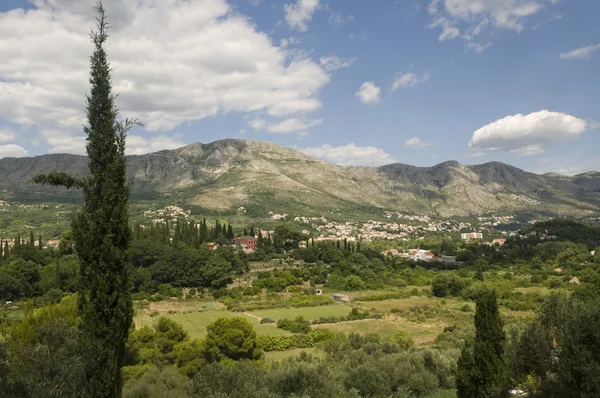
[[225, 175]]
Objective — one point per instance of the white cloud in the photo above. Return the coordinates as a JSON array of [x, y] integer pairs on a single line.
[[6, 135], [528, 150], [477, 47], [369, 93], [333, 63], [292, 125], [255, 3], [63, 143], [137, 145], [336, 19], [449, 30], [12, 151], [581, 53], [526, 134], [174, 62], [408, 79], [416, 141], [473, 17], [298, 14], [351, 155], [289, 41]]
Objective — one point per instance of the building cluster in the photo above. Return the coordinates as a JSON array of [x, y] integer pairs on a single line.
[[170, 212]]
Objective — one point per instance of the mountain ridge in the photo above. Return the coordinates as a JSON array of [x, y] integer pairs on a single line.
[[226, 174]]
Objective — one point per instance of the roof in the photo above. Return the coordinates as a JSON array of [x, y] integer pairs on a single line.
[[246, 237]]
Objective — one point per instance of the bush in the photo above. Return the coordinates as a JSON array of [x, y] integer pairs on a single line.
[[298, 325], [266, 320]]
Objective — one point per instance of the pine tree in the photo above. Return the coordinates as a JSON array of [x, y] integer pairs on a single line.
[[101, 229], [481, 368]]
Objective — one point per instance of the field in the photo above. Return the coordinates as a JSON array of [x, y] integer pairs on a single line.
[[309, 313]]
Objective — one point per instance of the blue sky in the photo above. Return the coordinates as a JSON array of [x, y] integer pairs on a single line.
[[354, 82]]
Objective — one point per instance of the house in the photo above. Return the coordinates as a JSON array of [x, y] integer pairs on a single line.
[[575, 281], [340, 297], [211, 246], [247, 242], [499, 242], [471, 235], [52, 242], [420, 255]]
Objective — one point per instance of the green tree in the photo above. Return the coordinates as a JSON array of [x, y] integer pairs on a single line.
[[481, 369], [231, 338], [101, 229]]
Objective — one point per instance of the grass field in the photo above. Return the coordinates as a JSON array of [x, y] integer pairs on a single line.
[[309, 313], [195, 316]]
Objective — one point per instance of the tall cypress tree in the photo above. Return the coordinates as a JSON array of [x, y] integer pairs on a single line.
[[101, 229], [40, 245], [481, 368]]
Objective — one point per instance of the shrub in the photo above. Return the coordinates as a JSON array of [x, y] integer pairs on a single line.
[[298, 325], [266, 320]]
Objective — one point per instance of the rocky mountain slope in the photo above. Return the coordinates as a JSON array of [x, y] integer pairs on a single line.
[[260, 176]]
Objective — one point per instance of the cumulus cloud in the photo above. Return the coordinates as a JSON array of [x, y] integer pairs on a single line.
[[174, 62], [12, 151], [369, 93], [526, 134], [581, 53], [351, 155], [416, 141], [289, 41], [292, 125], [137, 145], [62, 143], [333, 63], [298, 14], [473, 17], [408, 79], [6, 135]]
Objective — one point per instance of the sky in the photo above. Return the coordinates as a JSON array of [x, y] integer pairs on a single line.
[[354, 82]]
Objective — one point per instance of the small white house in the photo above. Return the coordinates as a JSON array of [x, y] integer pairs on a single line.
[[420, 255]]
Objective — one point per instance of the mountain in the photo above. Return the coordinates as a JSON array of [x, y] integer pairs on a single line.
[[226, 174]]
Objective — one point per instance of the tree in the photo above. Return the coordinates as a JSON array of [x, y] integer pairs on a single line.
[[481, 368], [231, 338], [101, 229]]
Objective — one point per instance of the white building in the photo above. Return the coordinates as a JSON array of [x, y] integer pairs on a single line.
[[420, 255]]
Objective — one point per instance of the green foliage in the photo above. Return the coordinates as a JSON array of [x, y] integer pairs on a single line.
[[447, 284], [231, 338], [42, 353], [481, 368], [100, 230], [559, 353], [297, 325]]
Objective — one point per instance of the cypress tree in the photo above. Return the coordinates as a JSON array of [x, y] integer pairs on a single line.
[[31, 240], [230, 234], [101, 229], [245, 233], [40, 241], [251, 230], [481, 368], [6, 249]]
